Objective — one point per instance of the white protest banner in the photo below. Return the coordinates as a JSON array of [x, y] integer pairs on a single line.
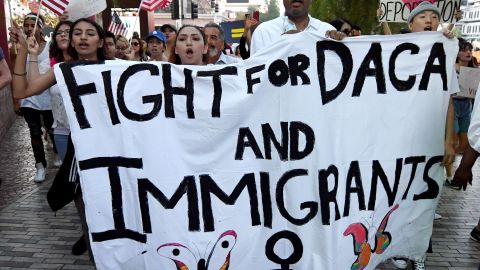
[[85, 8], [313, 154], [468, 80], [398, 10]]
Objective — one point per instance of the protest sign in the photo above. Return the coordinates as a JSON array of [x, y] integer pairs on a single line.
[[233, 31], [84, 8], [468, 80], [398, 10], [314, 154]]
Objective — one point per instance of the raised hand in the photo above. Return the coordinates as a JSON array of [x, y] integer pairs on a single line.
[[33, 47], [334, 34], [17, 36]]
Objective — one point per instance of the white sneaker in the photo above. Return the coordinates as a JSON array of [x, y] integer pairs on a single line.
[[437, 216], [418, 265], [40, 175], [57, 162], [400, 263]]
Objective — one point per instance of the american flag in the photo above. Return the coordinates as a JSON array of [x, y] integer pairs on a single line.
[[56, 6], [151, 5], [116, 25]]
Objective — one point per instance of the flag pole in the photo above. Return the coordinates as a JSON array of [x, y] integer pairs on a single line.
[[11, 22], [135, 24], [38, 16]]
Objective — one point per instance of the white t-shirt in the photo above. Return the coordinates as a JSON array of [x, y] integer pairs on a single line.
[[270, 31], [39, 102], [60, 121]]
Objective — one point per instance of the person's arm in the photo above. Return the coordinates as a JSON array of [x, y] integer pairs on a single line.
[[244, 53], [449, 155], [463, 175], [5, 76], [386, 28], [21, 88]]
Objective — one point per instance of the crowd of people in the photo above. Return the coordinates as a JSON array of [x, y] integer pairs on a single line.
[[33, 79]]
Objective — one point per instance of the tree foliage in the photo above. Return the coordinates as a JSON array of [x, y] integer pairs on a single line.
[[273, 11], [359, 12]]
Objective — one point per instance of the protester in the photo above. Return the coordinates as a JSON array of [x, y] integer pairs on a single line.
[[110, 45], [190, 46], [356, 31], [463, 176], [137, 53], [171, 35], [5, 76], [122, 47], [86, 43], [425, 17], [57, 54], [216, 44], [342, 25], [463, 108], [156, 46], [37, 109], [296, 19]]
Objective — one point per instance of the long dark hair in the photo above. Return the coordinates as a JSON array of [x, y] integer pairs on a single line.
[[55, 52], [174, 58], [465, 45], [101, 35]]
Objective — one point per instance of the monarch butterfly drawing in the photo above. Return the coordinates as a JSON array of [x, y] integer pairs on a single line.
[[362, 248], [185, 259]]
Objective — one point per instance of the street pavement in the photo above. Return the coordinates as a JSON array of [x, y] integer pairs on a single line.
[[34, 237]]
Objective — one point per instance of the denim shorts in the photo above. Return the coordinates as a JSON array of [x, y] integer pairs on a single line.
[[463, 112]]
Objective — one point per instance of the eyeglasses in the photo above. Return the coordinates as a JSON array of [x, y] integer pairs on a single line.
[[64, 32], [135, 43]]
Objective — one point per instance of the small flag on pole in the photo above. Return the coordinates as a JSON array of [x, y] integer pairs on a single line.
[[116, 25], [56, 6], [151, 5]]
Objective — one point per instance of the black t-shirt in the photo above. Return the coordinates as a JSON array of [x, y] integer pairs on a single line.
[[2, 56]]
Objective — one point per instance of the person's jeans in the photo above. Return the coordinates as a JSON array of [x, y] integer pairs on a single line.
[[33, 118], [61, 142]]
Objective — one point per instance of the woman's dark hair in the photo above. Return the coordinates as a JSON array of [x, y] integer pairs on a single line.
[[464, 45], [141, 52], [174, 58], [101, 35], [54, 51], [338, 23]]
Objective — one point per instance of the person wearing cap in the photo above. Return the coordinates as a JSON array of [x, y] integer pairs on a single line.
[[37, 108], [426, 17], [216, 44], [170, 33], [156, 46]]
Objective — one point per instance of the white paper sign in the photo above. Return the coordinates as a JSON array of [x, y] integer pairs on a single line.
[[399, 10], [85, 8], [469, 80], [310, 155]]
